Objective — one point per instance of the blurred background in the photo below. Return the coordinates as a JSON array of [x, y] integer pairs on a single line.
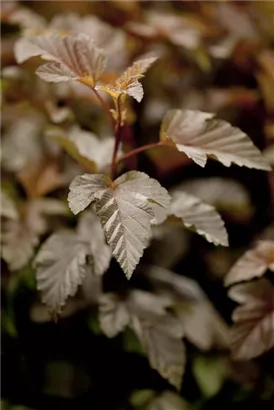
[[213, 56]]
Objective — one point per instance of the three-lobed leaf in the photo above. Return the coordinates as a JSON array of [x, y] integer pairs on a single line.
[[128, 83], [127, 207], [199, 135]]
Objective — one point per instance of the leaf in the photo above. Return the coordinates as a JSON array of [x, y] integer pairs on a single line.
[[140, 398], [224, 194], [105, 36], [37, 212], [158, 331], [202, 325], [199, 135], [40, 314], [127, 207], [253, 264], [113, 314], [21, 144], [61, 266], [178, 29], [67, 258], [209, 373], [203, 217], [128, 82], [177, 285], [41, 178], [71, 148], [161, 338], [253, 332], [86, 148], [8, 208], [167, 400], [17, 244], [72, 58], [89, 229]]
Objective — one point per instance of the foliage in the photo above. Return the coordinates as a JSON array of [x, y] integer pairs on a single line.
[[141, 119]]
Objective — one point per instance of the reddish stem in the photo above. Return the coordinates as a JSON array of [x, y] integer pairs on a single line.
[[105, 106], [118, 136], [140, 149]]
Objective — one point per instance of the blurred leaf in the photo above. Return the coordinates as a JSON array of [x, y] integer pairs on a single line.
[[40, 179], [161, 338], [202, 324], [158, 331], [224, 194], [131, 343], [167, 400], [66, 258], [253, 264], [140, 398], [209, 373], [8, 207], [113, 314], [253, 332], [17, 243]]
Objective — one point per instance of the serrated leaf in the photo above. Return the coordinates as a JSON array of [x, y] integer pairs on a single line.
[[8, 208], [61, 266], [127, 207], [253, 264], [72, 58], [113, 314], [67, 258], [159, 332], [199, 135], [198, 215], [89, 229], [161, 338], [128, 83], [17, 243], [253, 332], [202, 325]]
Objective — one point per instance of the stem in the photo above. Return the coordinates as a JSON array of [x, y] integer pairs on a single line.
[[141, 149], [118, 136], [105, 106]]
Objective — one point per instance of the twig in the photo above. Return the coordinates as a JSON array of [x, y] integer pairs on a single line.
[[140, 149]]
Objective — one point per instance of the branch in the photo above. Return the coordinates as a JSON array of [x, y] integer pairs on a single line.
[[140, 149], [105, 106], [118, 136]]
